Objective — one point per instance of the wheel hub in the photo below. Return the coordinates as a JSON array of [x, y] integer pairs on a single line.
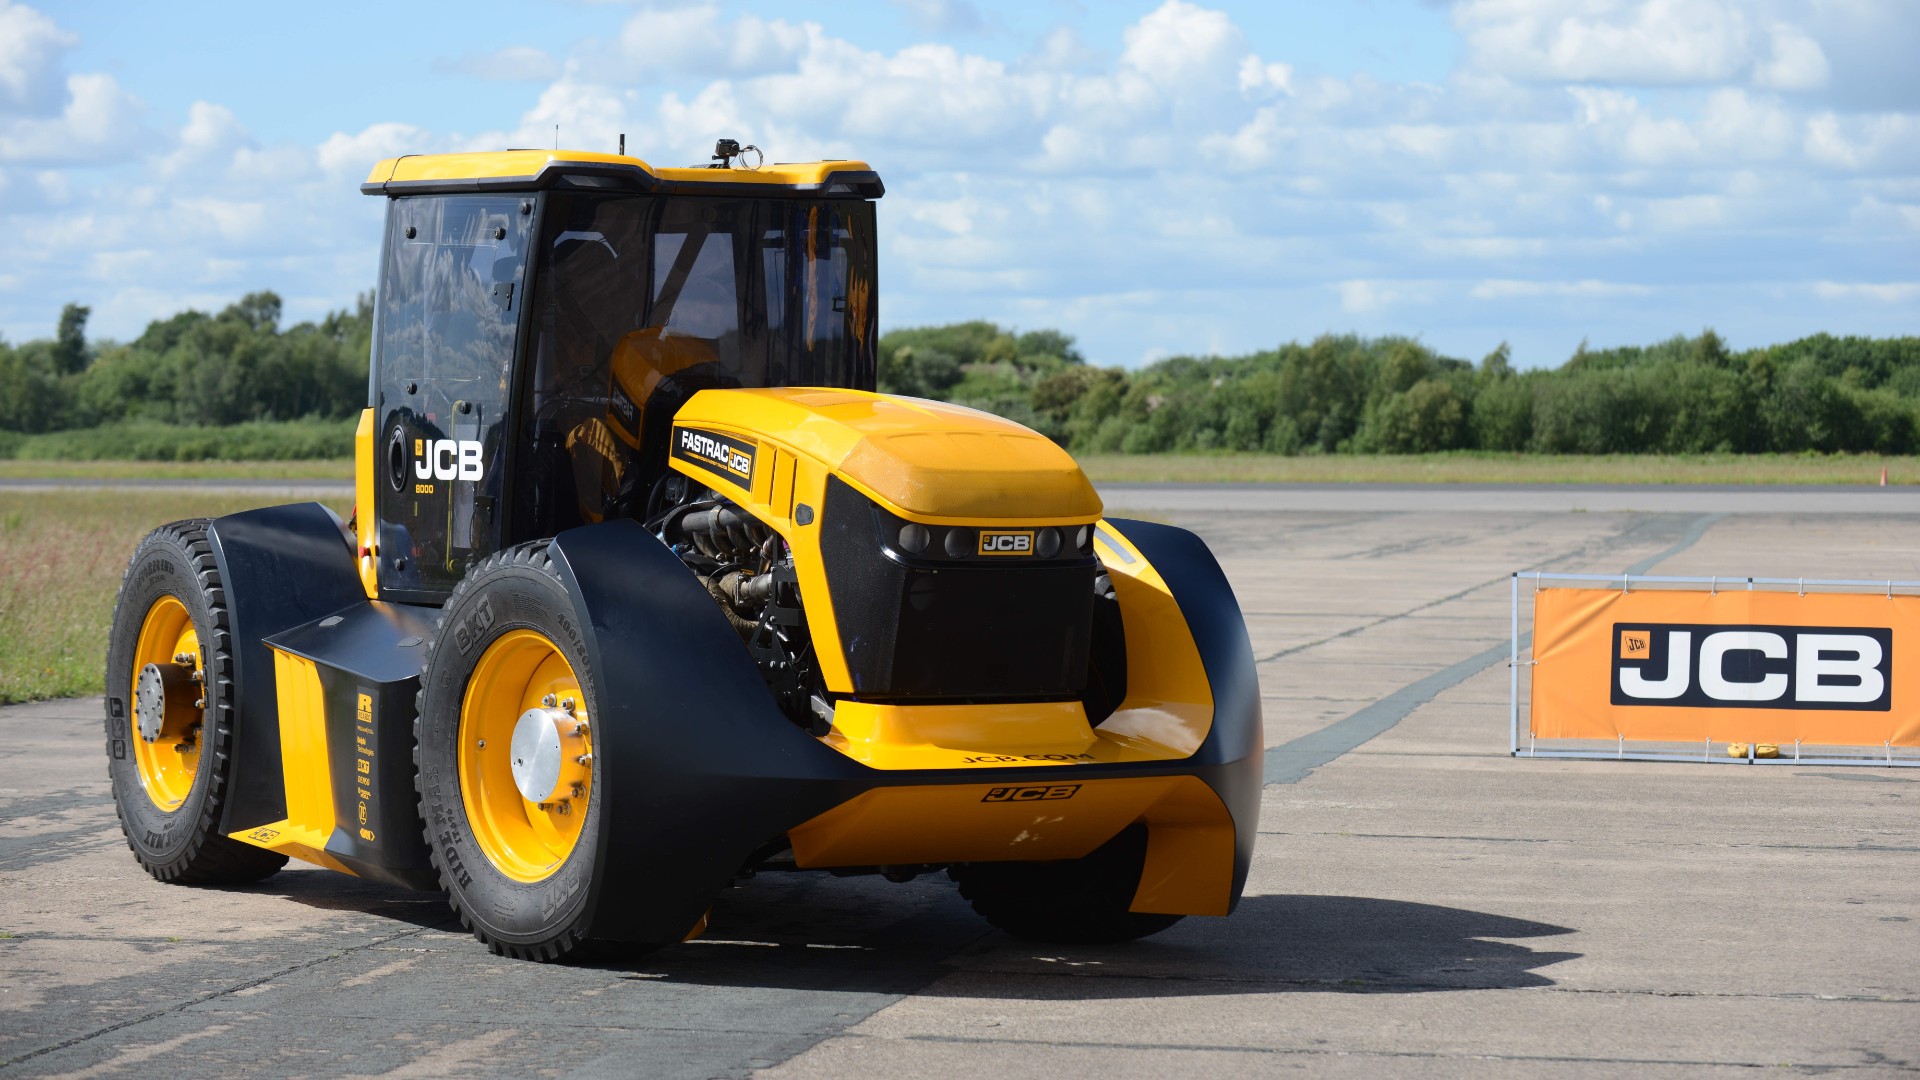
[[163, 700], [546, 752]]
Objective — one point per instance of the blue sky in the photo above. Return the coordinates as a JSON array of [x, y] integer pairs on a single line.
[[1152, 177]]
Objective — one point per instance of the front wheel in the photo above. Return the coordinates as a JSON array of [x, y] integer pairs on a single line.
[[1073, 902], [170, 712], [508, 785]]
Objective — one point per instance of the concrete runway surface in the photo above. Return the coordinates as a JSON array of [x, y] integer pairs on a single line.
[[1420, 905]]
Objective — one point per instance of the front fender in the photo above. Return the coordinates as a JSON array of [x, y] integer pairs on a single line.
[[699, 767]]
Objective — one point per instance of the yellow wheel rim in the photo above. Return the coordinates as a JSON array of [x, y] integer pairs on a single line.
[[523, 839], [168, 765]]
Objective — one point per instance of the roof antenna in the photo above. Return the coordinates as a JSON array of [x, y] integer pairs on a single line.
[[623, 144], [556, 136]]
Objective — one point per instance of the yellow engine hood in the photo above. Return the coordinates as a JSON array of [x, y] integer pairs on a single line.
[[923, 459]]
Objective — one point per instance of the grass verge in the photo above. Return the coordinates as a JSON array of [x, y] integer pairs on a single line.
[[340, 469], [146, 440], [1486, 468], [64, 553]]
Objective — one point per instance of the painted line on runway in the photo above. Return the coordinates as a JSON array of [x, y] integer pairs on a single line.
[[1292, 761]]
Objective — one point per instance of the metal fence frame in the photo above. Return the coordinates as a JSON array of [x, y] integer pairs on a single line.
[[1626, 583]]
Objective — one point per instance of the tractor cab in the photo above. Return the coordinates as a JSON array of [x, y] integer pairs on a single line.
[[542, 316]]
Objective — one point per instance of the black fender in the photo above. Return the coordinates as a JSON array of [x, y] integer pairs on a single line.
[[1231, 758], [698, 766], [280, 566]]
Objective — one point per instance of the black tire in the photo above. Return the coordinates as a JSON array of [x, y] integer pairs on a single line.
[[543, 920], [1074, 902], [182, 844]]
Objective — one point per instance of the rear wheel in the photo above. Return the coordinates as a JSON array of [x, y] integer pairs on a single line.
[[169, 703], [1074, 902], [504, 747]]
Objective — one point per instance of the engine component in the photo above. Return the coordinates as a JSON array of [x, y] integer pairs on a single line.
[[748, 570]]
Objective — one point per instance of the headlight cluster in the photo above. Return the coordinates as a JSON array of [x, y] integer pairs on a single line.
[[966, 542]]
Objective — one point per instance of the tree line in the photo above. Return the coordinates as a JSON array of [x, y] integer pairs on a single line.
[[1335, 394], [1349, 394], [191, 369]]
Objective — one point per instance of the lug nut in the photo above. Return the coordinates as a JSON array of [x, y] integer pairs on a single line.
[[566, 706], [548, 701], [584, 759]]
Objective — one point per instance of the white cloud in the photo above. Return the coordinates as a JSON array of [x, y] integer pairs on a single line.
[[344, 155], [659, 42], [1797, 63], [99, 123], [1182, 44], [212, 135], [1892, 292], [1642, 42], [30, 49], [1363, 297], [1497, 289], [1627, 41]]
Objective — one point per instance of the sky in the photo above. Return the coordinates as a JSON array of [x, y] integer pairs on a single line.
[[1156, 178]]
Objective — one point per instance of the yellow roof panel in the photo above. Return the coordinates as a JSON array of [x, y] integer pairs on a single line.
[[513, 170]]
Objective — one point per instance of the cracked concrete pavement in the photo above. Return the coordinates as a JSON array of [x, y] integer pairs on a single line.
[[1420, 905]]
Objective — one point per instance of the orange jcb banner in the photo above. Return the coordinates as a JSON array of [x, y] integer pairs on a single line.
[[1837, 669]]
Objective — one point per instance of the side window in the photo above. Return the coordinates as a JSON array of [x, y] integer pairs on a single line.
[[451, 290]]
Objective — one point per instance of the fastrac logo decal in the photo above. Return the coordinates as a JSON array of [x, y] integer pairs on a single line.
[[731, 457], [1006, 543], [1754, 667], [447, 459]]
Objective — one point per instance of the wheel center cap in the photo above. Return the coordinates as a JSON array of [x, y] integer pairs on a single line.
[[536, 753]]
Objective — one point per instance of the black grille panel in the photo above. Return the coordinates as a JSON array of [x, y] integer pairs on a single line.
[[969, 631]]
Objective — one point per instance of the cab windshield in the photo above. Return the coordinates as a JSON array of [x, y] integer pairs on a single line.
[[641, 301], [777, 292]]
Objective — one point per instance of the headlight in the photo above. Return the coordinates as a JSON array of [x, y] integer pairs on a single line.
[[913, 538], [1047, 543]]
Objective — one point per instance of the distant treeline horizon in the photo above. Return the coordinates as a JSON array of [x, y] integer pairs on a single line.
[[1339, 393]]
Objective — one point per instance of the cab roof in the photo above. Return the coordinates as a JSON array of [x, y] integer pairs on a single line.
[[532, 170]]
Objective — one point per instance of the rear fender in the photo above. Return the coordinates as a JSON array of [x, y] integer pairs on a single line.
[[281, 566]]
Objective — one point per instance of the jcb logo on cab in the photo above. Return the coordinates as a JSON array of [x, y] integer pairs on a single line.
[[447, 459], [1754, 667]]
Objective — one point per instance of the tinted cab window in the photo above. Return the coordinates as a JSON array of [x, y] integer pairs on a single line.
[[451, 292]]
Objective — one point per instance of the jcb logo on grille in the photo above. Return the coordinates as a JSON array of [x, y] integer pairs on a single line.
[[1032, 793], [1006, 543], [447, 459], [1754, 667]]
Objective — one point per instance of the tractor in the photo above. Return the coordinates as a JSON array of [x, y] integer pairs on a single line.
[[646, 590]]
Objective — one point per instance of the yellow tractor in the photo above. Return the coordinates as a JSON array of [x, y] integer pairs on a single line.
[[646, 589]]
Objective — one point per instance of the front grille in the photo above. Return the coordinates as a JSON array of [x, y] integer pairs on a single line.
[[975, 629]]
